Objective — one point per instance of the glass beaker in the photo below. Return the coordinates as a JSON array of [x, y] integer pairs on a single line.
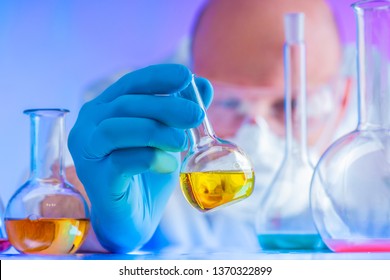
[[350, 192], [4, 242], [214, 172], [283, 220], [47, 215]]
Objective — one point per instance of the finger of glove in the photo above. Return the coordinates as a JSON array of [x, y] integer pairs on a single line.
[[122, 165], [170, 110], [155, 79], [120, 133], [132, 161]]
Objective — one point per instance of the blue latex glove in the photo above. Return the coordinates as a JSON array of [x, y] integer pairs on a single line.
[[125, 146]]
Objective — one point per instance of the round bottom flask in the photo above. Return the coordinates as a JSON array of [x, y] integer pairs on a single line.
[[208, 181], [47, 215], [215, 172], [350, 190], [351, 193]]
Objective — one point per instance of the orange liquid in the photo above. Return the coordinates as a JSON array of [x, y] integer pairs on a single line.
[[47, 235], [208, 190]]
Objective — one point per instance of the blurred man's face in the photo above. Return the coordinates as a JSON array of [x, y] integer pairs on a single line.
[[239, 48], [234, 105]]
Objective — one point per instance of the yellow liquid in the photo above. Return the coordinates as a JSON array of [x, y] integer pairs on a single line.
[[208, 190], [47, 235]]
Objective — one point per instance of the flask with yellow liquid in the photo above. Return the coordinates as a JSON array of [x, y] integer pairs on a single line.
[[215, 172]]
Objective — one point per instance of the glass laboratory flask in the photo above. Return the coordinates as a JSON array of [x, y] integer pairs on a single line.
[[283, 220], [4, 242], [214, 172], [350, 192], [47, 215]]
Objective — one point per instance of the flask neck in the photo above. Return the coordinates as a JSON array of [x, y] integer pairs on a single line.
[[373, 62], [47, 143], [203, 135], [295, 101]]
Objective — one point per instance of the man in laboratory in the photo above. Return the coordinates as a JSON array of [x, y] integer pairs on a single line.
[[127, 141]]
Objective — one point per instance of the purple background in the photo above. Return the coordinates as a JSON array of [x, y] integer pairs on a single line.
[[51, 51]]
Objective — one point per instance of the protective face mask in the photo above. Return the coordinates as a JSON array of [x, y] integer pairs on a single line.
[[263, 147], [266, 151]]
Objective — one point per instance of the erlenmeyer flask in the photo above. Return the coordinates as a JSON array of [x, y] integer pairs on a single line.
[[350, 193], [284, 219], [47, 215], [4, 242], [214, 172]]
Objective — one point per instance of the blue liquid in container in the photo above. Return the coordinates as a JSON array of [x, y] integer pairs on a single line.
[[309, 242]]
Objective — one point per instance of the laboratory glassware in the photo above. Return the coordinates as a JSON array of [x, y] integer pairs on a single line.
[[350, 191], [214, 172], [283, 220], [4, 242], [47, 215]]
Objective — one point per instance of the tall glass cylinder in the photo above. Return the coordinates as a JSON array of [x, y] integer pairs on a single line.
[[350, 192], [47, 215], [284, 220]]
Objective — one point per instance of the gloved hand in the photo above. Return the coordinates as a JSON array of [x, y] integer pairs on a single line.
[[125, 145]]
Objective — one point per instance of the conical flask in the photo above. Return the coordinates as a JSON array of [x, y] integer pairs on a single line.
[[350, 192], [46, 215], [283, 220], [215, 172]]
